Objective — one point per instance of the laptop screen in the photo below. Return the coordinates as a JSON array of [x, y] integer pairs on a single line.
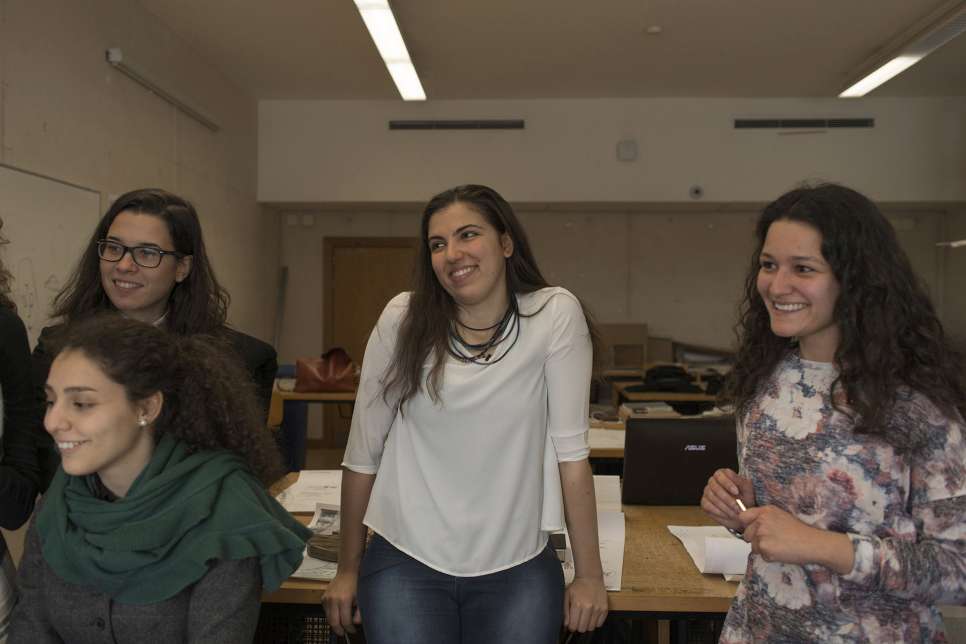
[[667, 461]]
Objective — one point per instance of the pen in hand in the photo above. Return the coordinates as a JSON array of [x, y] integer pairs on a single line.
[[739, 533]]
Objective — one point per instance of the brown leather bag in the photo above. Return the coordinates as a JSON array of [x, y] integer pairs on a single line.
[[333, 371]]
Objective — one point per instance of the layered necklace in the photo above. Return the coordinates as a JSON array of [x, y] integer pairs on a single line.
[[506, 329]]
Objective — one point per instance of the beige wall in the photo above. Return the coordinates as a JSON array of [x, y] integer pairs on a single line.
[[68, 115], [678, 269], [343, 151]]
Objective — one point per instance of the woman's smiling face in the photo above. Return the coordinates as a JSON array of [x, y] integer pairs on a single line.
[[96, 428], [138, 292], [468, 255], [799, 289]]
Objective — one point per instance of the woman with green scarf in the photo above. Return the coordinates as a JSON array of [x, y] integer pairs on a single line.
[[157, 526]]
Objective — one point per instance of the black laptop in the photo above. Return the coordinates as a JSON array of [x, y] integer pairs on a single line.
[[667, 461]]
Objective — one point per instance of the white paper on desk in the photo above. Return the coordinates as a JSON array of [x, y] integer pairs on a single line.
[[607, 489], [610, 530], [326, 520], [713, 549], [313, 486], [606, 438]]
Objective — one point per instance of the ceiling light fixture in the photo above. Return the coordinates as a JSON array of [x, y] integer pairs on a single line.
[[382, 26], [923, 42]]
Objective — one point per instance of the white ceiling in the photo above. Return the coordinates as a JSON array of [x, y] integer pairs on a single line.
[[482, 49]]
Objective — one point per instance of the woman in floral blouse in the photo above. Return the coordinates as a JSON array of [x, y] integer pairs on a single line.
[[850, 435]]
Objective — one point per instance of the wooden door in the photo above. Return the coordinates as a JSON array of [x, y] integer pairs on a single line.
[[360, 274]]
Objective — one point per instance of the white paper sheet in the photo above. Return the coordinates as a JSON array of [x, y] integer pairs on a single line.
[[607, 489], [610, 530], [713, 549], [313, 486]]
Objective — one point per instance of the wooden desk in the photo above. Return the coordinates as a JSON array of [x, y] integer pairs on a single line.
[[622, 395], [293, 423], [604, 443], [659, 577]]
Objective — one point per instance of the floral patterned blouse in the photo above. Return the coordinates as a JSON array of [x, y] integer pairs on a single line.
[[905, 514]]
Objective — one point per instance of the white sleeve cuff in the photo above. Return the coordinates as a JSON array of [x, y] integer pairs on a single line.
[[866, 551], [571, 448]]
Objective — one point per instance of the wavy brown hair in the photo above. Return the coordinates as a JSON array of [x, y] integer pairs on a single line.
[[6, 279], [890, 334], [209, 399], [424, 328], [197, 305]]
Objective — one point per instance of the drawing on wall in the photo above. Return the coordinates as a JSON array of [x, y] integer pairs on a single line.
[[48, 223], [25, 291]]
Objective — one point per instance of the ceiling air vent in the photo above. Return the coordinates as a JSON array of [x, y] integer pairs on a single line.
[[476, 124], [787, 124]]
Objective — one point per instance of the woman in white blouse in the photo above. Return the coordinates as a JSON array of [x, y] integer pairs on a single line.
[[469, 446]]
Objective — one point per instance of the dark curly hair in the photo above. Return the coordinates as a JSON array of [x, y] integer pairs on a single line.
[[424, 328], [890, 334], [197, 305], [6, 279], [209, 400]]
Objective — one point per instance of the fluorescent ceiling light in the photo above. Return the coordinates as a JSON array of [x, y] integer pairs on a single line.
[[888, 71], [382, 26], [923, 42]]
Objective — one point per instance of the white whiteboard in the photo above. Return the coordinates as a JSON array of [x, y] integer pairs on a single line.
[[48, 224]]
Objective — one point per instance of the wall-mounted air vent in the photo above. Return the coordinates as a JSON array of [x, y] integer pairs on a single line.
[[787, 124], [476, 124]]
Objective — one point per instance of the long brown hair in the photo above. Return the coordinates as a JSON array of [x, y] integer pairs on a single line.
[[197, 305], [209, 399], [424, 328], [890, 333]]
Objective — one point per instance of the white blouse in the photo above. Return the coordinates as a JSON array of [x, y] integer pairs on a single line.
[[471, 485]]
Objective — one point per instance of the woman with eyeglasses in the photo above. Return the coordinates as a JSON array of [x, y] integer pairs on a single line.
[[147, 260]]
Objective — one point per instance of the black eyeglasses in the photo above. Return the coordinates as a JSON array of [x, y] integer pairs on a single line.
[[144, 256]]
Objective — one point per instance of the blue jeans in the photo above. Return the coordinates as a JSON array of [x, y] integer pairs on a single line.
[[403, 601]]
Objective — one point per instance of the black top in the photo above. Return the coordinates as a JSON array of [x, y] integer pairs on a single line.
[[258, 357], [23, 412]]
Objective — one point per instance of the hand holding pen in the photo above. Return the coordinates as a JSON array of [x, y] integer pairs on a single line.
[[725, 489]]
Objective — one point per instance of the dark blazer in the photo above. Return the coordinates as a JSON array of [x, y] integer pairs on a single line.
[[258, 357], [23, 413]]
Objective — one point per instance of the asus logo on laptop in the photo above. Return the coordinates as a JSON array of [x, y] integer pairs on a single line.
[[695, 448]]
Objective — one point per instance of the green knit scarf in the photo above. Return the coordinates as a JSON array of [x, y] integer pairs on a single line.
[[182, 512]]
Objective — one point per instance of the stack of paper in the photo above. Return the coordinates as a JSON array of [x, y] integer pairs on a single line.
[[714, 550], [607, 489], [326, 520], [610, 532], [313, 487]]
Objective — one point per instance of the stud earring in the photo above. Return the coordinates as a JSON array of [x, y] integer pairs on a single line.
[[142, 422]]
